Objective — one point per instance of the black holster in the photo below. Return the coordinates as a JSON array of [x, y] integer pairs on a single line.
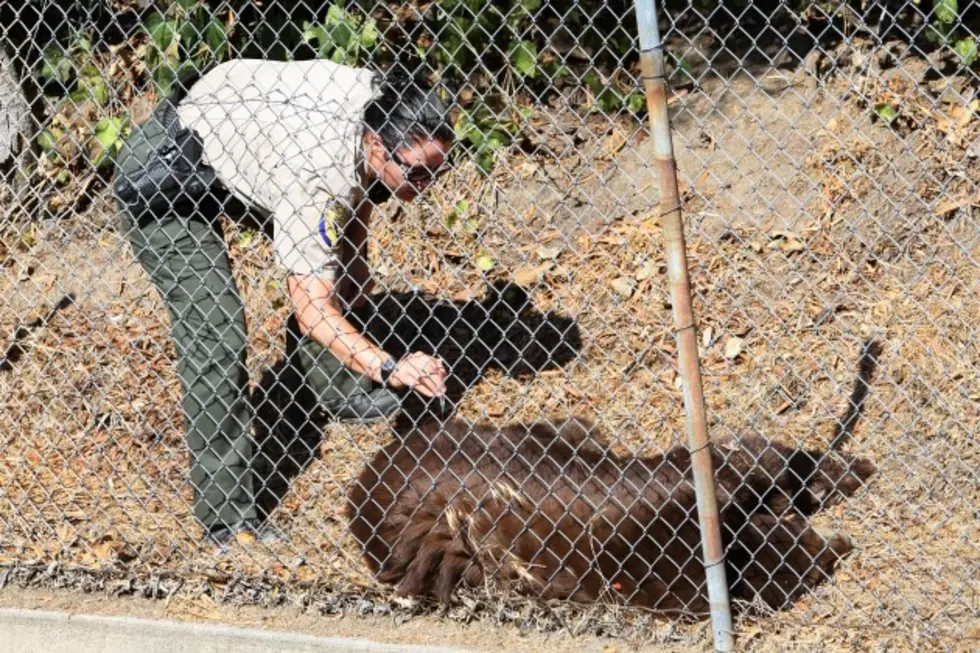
[[173, 172]]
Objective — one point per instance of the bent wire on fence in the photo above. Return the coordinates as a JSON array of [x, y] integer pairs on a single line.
[[826, 161]]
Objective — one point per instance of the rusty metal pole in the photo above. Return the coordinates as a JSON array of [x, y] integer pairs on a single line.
[[655, 81]]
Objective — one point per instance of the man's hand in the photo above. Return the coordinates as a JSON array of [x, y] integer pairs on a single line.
[[423, 373]]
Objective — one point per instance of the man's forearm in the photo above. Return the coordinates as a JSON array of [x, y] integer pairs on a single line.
[[321, 319], [351, 347]]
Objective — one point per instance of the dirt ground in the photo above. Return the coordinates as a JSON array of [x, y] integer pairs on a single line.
[[427, 630], [811, 226]]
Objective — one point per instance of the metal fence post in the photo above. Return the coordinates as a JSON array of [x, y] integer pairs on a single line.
[[654, 79]]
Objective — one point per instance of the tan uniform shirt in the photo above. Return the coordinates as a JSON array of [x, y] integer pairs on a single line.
[[284, 136]]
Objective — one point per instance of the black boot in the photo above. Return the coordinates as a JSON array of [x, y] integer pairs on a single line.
[[341, 394], [262, 531], [362, 407]]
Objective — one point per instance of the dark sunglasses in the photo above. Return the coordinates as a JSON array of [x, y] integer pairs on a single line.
[[418, 175]]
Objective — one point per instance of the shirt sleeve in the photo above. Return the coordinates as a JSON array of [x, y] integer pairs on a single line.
[[308, 232]]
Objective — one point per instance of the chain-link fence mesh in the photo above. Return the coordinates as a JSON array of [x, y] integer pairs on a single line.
[[156, 378]]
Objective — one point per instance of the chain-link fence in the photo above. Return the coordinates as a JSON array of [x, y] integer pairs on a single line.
[[164, 374]]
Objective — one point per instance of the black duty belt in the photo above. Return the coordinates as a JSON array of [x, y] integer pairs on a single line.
[[173, 172]]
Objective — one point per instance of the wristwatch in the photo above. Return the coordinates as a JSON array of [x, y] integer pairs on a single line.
[[387, 369]]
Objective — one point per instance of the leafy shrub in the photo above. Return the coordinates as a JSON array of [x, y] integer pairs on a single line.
[[488, 47], [945, 30], [82, 132], [183, 37], [342, 37]]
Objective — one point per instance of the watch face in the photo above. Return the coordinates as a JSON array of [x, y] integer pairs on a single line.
[[387, 368]]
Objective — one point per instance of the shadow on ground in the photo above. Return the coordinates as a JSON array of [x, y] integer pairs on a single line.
[[500, 332]]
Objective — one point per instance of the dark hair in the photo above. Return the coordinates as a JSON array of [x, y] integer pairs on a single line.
[[408, 109]]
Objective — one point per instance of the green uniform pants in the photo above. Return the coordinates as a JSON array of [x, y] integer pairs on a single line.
[[184, 254]]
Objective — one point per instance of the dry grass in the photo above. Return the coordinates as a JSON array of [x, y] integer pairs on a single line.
[[885, 242]]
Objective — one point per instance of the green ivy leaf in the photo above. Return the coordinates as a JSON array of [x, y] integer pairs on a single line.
[[189, 35], [458, 211], [484, 262], [947, 11], [56, 65], [109, 131], [592, 79], [336, 15], [609, 100], [636, 102], [556, 71], [47, 141], [342, 35], [466, 129], [80, 94], [162, 32], [100, 92], [83, 44], [497, 138], [936, 33], [94, 88], [887, 112], [165, 75], [682, 68], [369, 34], [216, 39], [485, 160], [313, 33], [525, 58], [967, 49]]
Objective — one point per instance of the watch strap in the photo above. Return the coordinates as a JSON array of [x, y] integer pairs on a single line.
[[387, 369]]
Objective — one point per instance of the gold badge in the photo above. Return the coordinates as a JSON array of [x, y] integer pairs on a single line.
[[328, 226]]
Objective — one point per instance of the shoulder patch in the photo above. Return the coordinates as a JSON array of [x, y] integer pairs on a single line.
[[328, 226]]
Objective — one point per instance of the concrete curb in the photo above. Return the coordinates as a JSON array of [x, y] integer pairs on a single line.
[[37, 631]]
